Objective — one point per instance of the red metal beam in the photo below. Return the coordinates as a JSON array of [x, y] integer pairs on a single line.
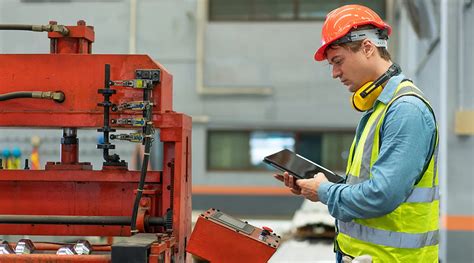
[[79, 77]]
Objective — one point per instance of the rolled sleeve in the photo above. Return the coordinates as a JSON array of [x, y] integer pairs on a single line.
[[323, 192]]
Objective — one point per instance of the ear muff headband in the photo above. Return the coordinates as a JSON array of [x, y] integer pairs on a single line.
[[364, 98]]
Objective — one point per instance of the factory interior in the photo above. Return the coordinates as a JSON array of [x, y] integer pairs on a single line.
[[155, 131]]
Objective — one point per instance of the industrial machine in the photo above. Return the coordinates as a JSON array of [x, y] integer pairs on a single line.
[[218, 237], [72, 89]]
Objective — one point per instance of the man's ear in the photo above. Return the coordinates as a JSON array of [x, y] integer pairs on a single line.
[[368, 48]]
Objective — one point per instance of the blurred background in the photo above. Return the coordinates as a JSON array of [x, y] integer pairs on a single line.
[[244, 71]]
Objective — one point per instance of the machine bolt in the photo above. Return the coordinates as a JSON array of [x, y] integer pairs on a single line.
[[144, 202]]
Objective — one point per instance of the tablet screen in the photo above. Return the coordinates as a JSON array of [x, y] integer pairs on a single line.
[[299, 166]]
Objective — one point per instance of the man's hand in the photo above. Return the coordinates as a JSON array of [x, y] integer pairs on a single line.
[[289, 181], [309, 187]]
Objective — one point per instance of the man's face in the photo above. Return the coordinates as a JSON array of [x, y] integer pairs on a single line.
[[350, 67]]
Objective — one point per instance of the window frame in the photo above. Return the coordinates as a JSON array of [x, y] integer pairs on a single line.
[[297, 135], [295, 18]]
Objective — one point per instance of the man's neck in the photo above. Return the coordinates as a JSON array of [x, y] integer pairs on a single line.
[[381, 68]]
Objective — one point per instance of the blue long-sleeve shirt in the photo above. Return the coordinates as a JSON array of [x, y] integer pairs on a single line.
[[407, 142]]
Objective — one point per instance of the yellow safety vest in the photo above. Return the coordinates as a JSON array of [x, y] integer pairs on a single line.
[[410, 232]]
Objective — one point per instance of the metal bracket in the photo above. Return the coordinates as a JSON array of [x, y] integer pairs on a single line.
[[144, 79], [135, 122], [133, 83], [132, 137], [151, 74], [132, 105]]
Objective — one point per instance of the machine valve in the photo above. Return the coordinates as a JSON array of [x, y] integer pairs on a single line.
[[135, 122], [24, 246], [5, 248], [66, 250], [266, 231], [132, 137], [83, 247], [132, 105], [133, 83]]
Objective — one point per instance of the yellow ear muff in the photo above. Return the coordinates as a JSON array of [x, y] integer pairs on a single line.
[[362, 100]]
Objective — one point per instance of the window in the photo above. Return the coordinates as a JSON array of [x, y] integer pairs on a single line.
[[244, 150], [282, 10]]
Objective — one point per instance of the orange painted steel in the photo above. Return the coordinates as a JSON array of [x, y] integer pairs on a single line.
[[71, 188], [53, 258], [220, 242], [458, 222]]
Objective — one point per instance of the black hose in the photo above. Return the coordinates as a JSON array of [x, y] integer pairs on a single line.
[[16, 27], [57, 96], [37, 28], [146, 157], [76, 220], [16, 95]]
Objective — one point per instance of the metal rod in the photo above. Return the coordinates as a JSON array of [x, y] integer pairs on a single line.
[[76, 220], [106, 112]]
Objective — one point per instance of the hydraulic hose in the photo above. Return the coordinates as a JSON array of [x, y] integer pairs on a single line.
[[38, 28], [146, 158], [16, 27], [57, 96]]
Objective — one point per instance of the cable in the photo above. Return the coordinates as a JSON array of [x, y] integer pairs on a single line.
[[146, 157], [16, 27], [38, 28], [16, 95], [56, 96]]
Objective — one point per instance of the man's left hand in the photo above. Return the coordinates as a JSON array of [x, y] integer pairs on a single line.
[[309, 187]]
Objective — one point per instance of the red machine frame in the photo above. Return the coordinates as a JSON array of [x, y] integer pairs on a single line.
[[71, 188]]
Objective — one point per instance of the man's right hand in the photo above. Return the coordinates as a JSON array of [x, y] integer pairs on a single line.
[[289, 181]]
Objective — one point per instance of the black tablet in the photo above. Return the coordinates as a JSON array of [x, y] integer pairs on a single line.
[[299, 166]]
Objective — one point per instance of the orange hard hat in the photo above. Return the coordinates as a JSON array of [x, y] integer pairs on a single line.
[[341, 20]]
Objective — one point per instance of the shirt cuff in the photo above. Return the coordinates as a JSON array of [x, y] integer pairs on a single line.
[[323, 192]]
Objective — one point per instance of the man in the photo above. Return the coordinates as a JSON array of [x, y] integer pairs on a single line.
[[388, 207]]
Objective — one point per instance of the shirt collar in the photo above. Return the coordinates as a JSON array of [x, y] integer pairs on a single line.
[[389, 89], [387, 92]]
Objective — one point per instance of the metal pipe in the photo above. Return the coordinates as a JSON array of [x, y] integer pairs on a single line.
[[76, 220], [69, 146], [55, 246], [444, 122]]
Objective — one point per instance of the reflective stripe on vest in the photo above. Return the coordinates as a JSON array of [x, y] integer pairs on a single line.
[[418, 195], [388, 238], [391, 230]]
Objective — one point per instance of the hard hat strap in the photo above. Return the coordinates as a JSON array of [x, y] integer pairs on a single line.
[[377, 36]]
